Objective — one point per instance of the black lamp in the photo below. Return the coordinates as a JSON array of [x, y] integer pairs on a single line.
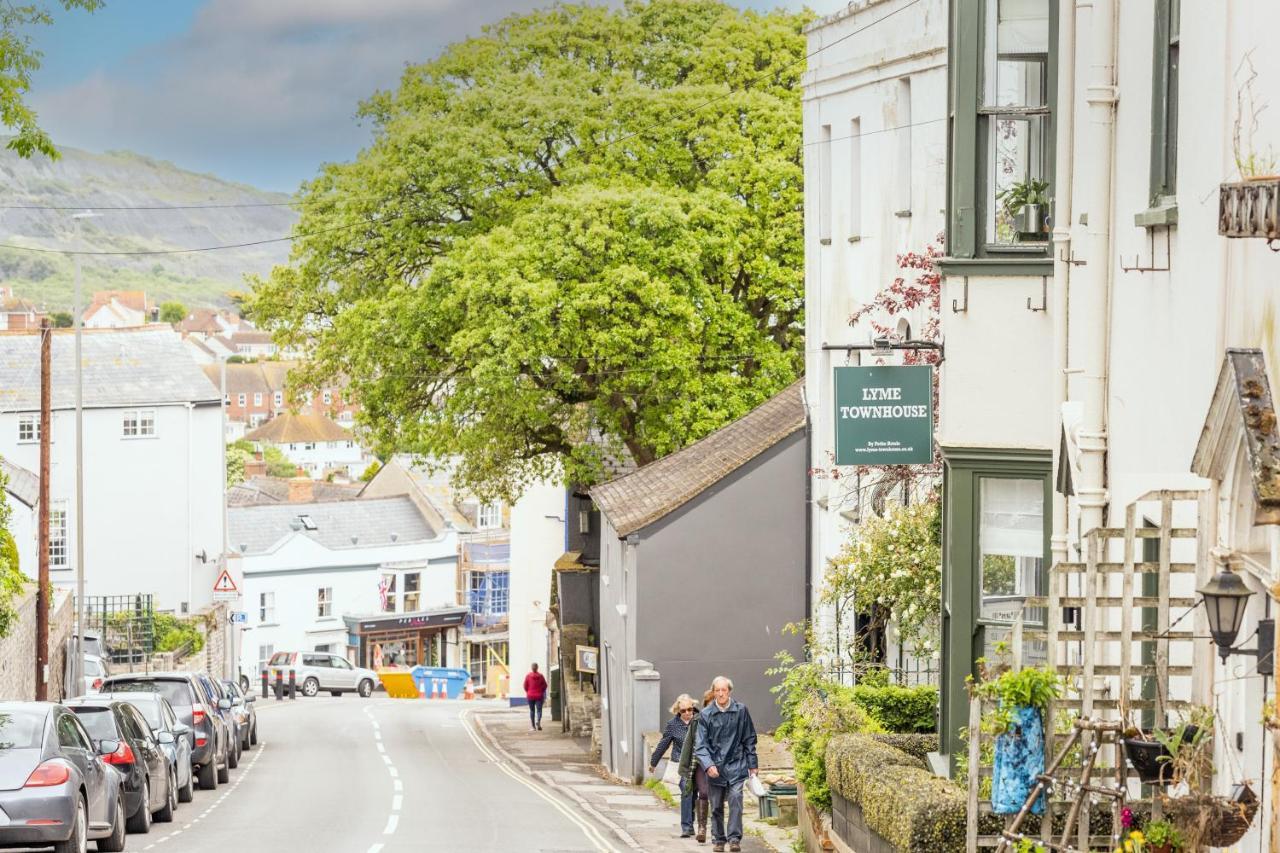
[[1225, 599]]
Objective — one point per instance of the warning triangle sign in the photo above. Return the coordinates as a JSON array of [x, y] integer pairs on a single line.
[[224, 583]]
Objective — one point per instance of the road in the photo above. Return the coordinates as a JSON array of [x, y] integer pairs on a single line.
[[373, 776]]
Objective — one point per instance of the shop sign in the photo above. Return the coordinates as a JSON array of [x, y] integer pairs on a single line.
[[884, 415]]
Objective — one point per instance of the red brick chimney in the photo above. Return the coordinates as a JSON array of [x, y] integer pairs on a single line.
[[301, 490]]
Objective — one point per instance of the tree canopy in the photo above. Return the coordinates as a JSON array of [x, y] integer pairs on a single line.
[[19, 59], [172, 312], [576, 236]]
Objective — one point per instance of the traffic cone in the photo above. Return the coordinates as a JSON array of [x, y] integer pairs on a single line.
[[469, 691], [422, 689], [436, 691]]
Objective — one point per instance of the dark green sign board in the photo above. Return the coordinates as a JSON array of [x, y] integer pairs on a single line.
[[884, 415]]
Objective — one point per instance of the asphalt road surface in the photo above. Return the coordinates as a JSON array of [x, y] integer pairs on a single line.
[[373, 776]]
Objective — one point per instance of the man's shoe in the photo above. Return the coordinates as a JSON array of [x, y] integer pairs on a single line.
[[735, 847], [539, 726], [718, 847], [687, 833]]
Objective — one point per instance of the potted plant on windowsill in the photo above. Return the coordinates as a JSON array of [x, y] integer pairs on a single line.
[[1021, 698], [1151, 755], [1027, 205]]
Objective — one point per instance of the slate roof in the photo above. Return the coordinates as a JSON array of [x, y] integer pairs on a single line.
[[241, 378], [275, 490], [371, 521], [289, 428], [21, 483], [650, 493], [147, 365]]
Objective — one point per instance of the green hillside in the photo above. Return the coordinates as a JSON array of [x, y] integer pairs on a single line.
[[124, 179]]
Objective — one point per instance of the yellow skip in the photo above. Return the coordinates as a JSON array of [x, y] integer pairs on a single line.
[[399, 684]]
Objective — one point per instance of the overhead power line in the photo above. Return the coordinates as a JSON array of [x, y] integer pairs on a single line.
[[772, 71]]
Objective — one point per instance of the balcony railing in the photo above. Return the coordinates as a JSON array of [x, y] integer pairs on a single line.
[[1250, 209]]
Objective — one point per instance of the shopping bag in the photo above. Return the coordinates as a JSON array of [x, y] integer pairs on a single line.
[[755, 786], [671, 773]]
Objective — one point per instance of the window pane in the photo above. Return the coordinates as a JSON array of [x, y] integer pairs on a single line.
[[1017, 48], [1011, 546], [1017, 200]]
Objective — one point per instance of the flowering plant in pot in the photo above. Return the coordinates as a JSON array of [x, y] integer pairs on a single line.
[[1017, 720]]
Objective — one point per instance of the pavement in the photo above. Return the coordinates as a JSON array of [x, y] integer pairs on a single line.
[[635, 817]]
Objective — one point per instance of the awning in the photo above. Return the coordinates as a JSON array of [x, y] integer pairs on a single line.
[[445, 618]]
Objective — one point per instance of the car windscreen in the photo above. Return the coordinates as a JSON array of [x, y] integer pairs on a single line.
[[99, 722], [150, 712], [177, 692], [22, 729], [93, 667]]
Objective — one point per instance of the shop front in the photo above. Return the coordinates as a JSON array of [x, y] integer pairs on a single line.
[[406, 640]]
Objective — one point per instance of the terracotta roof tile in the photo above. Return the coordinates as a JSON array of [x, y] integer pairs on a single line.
[[643, 497], [289, 428]]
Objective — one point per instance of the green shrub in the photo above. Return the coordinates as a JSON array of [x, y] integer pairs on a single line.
[[172, 633], [900, 709], [900, 799], [917, 745]]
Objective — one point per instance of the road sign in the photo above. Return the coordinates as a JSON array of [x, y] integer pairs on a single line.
[[224, 587], [237, 617], [884, 415]]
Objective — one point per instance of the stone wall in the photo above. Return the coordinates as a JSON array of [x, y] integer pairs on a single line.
[[18, 650]]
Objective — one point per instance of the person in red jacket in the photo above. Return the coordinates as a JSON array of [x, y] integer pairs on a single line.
[[535, 690]]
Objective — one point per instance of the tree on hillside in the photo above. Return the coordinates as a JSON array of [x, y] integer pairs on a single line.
[[172, 312], [576, 236], [19, 59]]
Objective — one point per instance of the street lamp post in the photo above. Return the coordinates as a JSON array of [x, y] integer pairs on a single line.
[[77, 668]]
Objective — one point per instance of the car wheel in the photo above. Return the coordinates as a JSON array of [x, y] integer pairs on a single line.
[[253, 734], [244, 741], [165, 813], [224, 772], [233, 756], [187, 792], [114, 842], [366, 688], [310, 687], [140, 823], [208, 777], [77, 841]]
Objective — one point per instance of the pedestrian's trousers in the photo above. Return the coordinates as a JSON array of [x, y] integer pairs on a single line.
[[719, 793], [535, 711]]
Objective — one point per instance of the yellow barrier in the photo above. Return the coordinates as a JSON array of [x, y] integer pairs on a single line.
[[399, 684]]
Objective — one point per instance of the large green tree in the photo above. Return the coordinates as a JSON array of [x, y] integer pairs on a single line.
[[19, 59], [577, 235]]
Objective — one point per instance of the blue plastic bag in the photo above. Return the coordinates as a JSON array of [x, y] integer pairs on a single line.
[[1019, 759]]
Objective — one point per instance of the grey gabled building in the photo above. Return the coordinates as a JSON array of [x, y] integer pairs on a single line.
[[702, 565]]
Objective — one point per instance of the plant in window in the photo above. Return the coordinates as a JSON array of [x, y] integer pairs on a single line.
[[1027, 204]]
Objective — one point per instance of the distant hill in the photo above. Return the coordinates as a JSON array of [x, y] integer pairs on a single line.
[[121, 178]]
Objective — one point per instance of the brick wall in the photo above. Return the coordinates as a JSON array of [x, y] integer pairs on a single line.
[[18, 650]]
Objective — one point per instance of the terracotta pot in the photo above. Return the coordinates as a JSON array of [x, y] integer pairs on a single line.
[[1161, 848]]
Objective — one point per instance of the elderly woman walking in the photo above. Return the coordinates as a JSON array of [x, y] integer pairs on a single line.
[[676, 736], [694, 775]]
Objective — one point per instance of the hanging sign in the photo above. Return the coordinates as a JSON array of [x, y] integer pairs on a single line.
[[884, 415]]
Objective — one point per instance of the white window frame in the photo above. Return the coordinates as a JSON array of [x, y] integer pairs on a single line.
[[267, 607], [59, 540], [489, 516], [257, 398], [324, 602], [328, 398], [138, 423], [279, 398], [242, 400], [31, 420]]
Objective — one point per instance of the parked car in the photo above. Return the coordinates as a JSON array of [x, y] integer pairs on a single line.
[[242, 703], [126, 742], [54, 788], [174, 736], [95, 670], [316, 671], [226, 710], [196, 707]]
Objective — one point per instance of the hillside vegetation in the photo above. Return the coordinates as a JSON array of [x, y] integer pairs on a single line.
[[121, 178]]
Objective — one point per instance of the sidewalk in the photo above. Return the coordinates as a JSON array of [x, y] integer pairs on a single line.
[[638, 819]]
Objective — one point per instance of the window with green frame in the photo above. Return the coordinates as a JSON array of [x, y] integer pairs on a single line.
[[995, 557], [1003, 65], [1164, 106]]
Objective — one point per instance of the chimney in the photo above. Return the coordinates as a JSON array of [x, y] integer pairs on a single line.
[[255, 467], [300, 490]]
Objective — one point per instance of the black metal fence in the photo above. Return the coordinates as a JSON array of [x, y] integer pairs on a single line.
[[126, 625]]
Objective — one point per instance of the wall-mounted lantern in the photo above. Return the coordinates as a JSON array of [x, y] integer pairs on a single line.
[[1225, 598]]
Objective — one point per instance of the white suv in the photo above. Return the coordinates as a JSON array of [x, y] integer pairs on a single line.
[[316, 671]]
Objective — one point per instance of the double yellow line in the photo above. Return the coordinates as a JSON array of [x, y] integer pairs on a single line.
[[588, 829]]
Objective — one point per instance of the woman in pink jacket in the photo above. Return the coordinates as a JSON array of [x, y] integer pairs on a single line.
[[535, 690]]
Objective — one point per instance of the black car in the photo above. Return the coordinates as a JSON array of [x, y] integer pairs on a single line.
[[126, 742], [54, 789], [197, 707], [173, 736]]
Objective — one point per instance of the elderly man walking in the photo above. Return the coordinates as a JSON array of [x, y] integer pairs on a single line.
[[726, 747]]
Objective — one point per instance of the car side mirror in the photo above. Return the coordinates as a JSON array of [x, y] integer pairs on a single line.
[[250, 698], [106, 747], [224, 704], [165, 737], [237, 702]]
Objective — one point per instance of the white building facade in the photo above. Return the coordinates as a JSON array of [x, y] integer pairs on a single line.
[[1097, 347], [875, 103], [153, 472]]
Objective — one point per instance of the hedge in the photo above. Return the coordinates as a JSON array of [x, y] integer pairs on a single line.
[[912, 744], [900, 709], [904, 803]]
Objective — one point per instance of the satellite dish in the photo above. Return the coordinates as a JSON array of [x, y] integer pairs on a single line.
[[202, 556]]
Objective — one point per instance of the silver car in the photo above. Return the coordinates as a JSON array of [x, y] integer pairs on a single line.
[[54, 788], [316, 671]]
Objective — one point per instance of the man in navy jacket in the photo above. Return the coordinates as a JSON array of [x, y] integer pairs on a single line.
[[726, 746]]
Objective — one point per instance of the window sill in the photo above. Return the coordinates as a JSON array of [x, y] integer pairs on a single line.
[[139, 437], [268, 624], [1163, 215], [1021, 266]]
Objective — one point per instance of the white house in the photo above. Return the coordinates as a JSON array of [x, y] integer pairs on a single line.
[[875, 100], [153, 476], [116, 309], [313, 574], [1125, 344], [314, 443]]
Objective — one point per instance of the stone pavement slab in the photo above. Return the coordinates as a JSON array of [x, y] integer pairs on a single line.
[[639, 819]]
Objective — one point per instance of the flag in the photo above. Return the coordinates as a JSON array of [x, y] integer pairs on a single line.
[[383, 585]]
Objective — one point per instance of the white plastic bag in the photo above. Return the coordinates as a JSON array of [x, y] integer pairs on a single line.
[[671, 773], [755, 786]]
